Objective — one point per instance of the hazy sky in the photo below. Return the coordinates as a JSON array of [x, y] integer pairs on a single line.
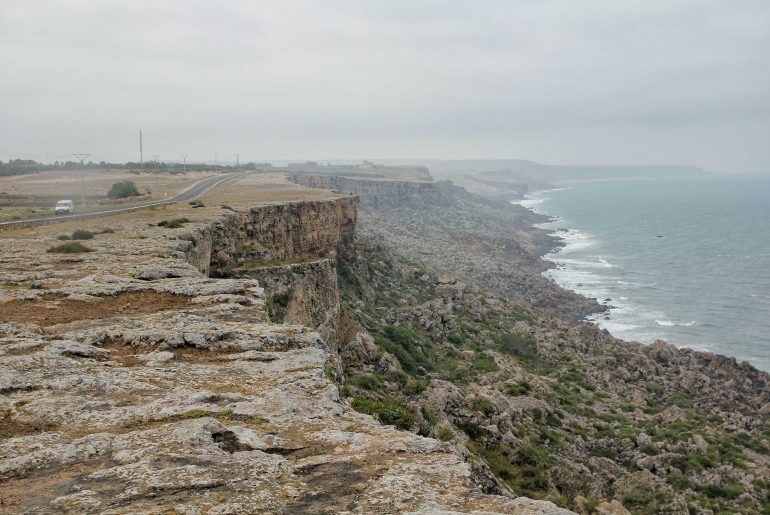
[[567, 82]]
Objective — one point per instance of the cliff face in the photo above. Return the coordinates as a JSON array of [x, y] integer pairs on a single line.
[[383, 193], [273, 233], [301, 293], [489, 242]]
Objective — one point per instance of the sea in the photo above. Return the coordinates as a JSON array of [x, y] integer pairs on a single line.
[[682, 260]]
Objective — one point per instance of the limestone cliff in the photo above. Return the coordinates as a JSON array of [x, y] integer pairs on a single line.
[[131, 381], [274, 232], [380, 193], [487, 241]]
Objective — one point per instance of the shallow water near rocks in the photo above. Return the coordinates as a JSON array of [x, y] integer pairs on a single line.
[[683, 260]]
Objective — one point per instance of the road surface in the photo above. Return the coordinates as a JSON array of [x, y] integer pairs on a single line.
[[190, 193]]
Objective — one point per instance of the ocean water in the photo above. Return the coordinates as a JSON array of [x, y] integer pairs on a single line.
[[686, 261]]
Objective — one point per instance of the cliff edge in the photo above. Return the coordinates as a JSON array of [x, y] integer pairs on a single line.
[[152, 372]]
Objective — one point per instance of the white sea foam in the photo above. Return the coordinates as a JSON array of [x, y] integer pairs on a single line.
[[599, 263], [531, 202], [616, 328], [574, 240], [671, 323]]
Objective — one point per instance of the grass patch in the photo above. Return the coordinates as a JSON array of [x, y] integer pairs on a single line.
[[82, 234], [302, 369], [175, 223], [694, 462], [390, 411], [727, 490], [520, 388], [73, 247]]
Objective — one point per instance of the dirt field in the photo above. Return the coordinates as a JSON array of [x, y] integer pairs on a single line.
[[241, 192], [40, 189]]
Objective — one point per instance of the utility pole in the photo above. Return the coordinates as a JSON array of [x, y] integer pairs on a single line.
[[141, 151], [155, 159], [237, 163], [215, 159], [184, 163], [82, 158]]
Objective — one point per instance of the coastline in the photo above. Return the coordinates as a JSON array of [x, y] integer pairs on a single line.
[[645, 303], [563, 238]]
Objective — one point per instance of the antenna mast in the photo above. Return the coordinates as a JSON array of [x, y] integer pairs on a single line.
[[141, 156]]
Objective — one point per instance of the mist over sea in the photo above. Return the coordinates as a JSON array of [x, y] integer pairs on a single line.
[[686, 261]]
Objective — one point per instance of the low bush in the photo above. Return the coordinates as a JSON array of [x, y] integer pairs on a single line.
[[445, 434], [521, 388], [366, 381], [389, 411], [82, 234], [123, 189], [483, 405], [411, 350], [522, 345], [175, 223], [73, 247], [727, 490]]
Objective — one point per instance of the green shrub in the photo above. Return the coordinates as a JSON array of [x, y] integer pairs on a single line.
[[73, 247], [411, 350], [521, 388], [366, 381], [81, 234], [414, 386], [123, 189], [484, 405], [176, 223], [483, 363], [531, 455], [727, 490], [525, 469], [389, 411], [695, 462], [445, 434], [553, 420], [63, 237], [522, 345], [454, 338], [679, 481]]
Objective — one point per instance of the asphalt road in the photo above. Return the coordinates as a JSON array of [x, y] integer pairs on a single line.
[[190, 193]]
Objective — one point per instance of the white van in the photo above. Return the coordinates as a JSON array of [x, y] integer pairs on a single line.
[[64, 207]]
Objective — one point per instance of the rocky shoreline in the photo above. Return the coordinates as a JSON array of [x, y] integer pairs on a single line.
[[496, 361]]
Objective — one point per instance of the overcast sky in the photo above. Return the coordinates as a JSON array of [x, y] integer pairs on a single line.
[[563, 82]]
